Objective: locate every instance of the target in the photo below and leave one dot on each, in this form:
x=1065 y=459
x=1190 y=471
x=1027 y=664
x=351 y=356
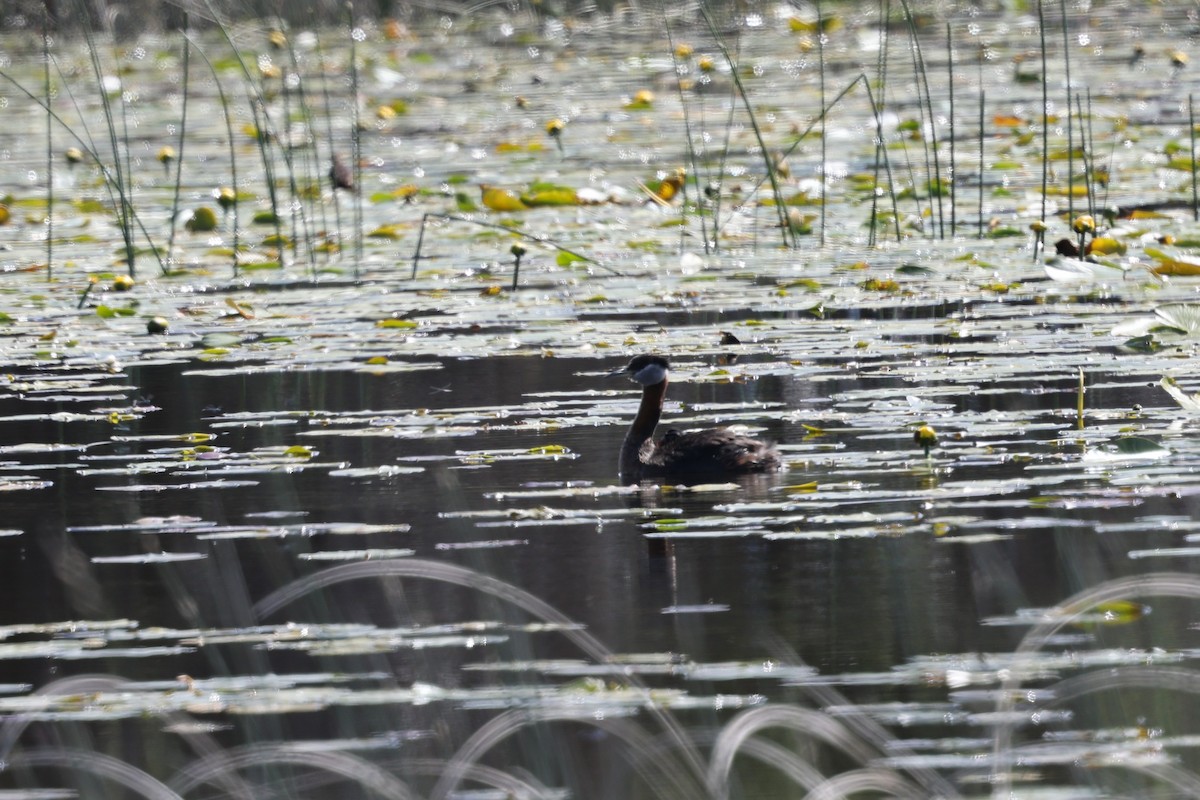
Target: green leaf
x=1143 y=344
x=549 y=195
x=89 y=206
x=1138 y=445
x=1004 y=232
x=1185 y=401
x=211 y=340
x=1183 y=317
x=385 y=232
x=808 y=284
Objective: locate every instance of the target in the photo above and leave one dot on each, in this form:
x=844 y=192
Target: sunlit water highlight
x=345 y=530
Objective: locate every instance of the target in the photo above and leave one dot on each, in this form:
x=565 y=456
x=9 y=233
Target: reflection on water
x=366 y=537
x=864 y=621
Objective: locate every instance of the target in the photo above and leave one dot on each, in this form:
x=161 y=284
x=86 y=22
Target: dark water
x=841 y=605
x=519 y=625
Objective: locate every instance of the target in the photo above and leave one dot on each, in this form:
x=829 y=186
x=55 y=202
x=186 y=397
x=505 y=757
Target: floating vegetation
x=357 y=555
x=148 y=558
x=302 y=530
x=383 y=308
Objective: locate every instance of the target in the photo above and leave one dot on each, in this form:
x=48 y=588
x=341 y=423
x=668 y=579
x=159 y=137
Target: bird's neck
x=649 y=412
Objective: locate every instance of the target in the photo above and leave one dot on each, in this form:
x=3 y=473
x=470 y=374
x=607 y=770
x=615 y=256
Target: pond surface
x=350 y=528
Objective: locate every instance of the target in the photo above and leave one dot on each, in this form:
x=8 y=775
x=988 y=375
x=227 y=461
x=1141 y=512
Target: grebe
x=707 y=453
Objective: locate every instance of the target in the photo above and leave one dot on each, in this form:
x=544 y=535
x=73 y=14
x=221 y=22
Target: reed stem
x=887 y=163
x=232 y=147
x=124 y=206
x=1192 y=142
x=49 y=149
x=1045 y=116
x=300 y=213
x=179 y=154
x=935 y=183
x=982 y=162
x=116 y=192
x=691 y=145
x=328 y=108
x=264 y=130
x=824 y=157
x=885 y=12
x=1062 y=7
x=776 y=191
x=355 y=146
x=953 y=169
x=1085 y=156
x=722 y=163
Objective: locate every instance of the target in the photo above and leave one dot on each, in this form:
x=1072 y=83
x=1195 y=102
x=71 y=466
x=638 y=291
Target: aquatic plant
x=362 y=533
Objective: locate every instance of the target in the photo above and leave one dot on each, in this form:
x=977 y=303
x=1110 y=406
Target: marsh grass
x=298 y=163
x=49 y=97
x=834 y=745
x=824 y=131
x=181 y=151
x=907 y=346
x=953 y=174
x=116 y=174
x=681 y=68
x=332 y=243
x=1044 y=112
x=307 y=200
x=1161 y=585
x=264 y=131
x=114 y=185
x=223 y=103
x=1087 y=151
x=929 y=137
x=118 y=146
x=1192 y=151
x=1066 y=60
x=982 y=163
x=356 y=152
x=788 y=237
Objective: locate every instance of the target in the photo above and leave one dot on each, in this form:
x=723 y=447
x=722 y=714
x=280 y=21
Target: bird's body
x=340 y=174
x=708 y=453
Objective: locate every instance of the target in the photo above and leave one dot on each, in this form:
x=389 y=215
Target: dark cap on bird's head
x=645 y=369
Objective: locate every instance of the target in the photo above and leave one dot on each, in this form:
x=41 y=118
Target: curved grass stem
x=232 y=149
x=744 y=96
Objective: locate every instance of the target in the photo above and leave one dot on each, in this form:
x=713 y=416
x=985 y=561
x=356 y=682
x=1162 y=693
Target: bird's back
x=714 y=452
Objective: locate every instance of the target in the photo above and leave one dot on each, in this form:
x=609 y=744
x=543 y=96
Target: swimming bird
x=712 y=452
x=340 y=174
